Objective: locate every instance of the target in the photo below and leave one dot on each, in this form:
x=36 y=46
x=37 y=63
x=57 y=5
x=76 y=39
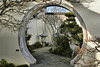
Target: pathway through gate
x=46 y=59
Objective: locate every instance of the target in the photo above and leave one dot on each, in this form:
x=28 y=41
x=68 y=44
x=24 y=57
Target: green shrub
x=60 y=51
x=24 y=65
x=75 y=32
x=72 y=35
x=4 y=63
x=37 y=45
x=34 y=46
x=30 y=48
x=10 y=65
x=50 y=49
x=62 y=47
x=69 y=14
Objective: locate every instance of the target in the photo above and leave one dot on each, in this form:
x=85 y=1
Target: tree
x=71 y=29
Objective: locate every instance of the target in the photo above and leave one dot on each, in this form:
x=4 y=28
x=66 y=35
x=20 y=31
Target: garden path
x=46 y=59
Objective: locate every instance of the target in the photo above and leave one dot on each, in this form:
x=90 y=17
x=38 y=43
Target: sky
x=56 y=9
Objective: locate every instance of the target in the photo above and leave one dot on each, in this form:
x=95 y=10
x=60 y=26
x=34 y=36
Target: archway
x=33 y=11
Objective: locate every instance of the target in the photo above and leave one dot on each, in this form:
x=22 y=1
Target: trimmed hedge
x=4 y=63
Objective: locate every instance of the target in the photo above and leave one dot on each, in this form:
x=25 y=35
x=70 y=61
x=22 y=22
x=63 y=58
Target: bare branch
x=9 y=24
x=7 y=19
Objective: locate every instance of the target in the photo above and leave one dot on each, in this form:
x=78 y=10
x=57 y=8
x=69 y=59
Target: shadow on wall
x=92 y=21
x=91 y=56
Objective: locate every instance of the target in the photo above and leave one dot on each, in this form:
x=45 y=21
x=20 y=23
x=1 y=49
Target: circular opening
x=33 y=12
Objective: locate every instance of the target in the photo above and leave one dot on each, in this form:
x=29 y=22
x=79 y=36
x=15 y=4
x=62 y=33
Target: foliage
x=24 y=65
x=30 y=48
x=34 y=46
x=71 y=19
x=72 y=35
x=48 y=44
x=4 y=63
x=10 y=65
x=37 y=45
x=28 y=37
x=73 y=31
x=69 y=14
x=62 y=46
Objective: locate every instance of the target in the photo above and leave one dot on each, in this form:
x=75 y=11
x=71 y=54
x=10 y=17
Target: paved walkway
x=47 y=59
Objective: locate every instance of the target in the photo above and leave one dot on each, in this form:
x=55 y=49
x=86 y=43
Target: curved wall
x=90 y=13
x=34 y=10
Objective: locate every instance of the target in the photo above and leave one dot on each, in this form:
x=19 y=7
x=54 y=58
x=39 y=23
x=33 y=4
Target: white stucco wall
x=8 y=46
x=36 y=28
x=90 y=13
x=9 y=41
